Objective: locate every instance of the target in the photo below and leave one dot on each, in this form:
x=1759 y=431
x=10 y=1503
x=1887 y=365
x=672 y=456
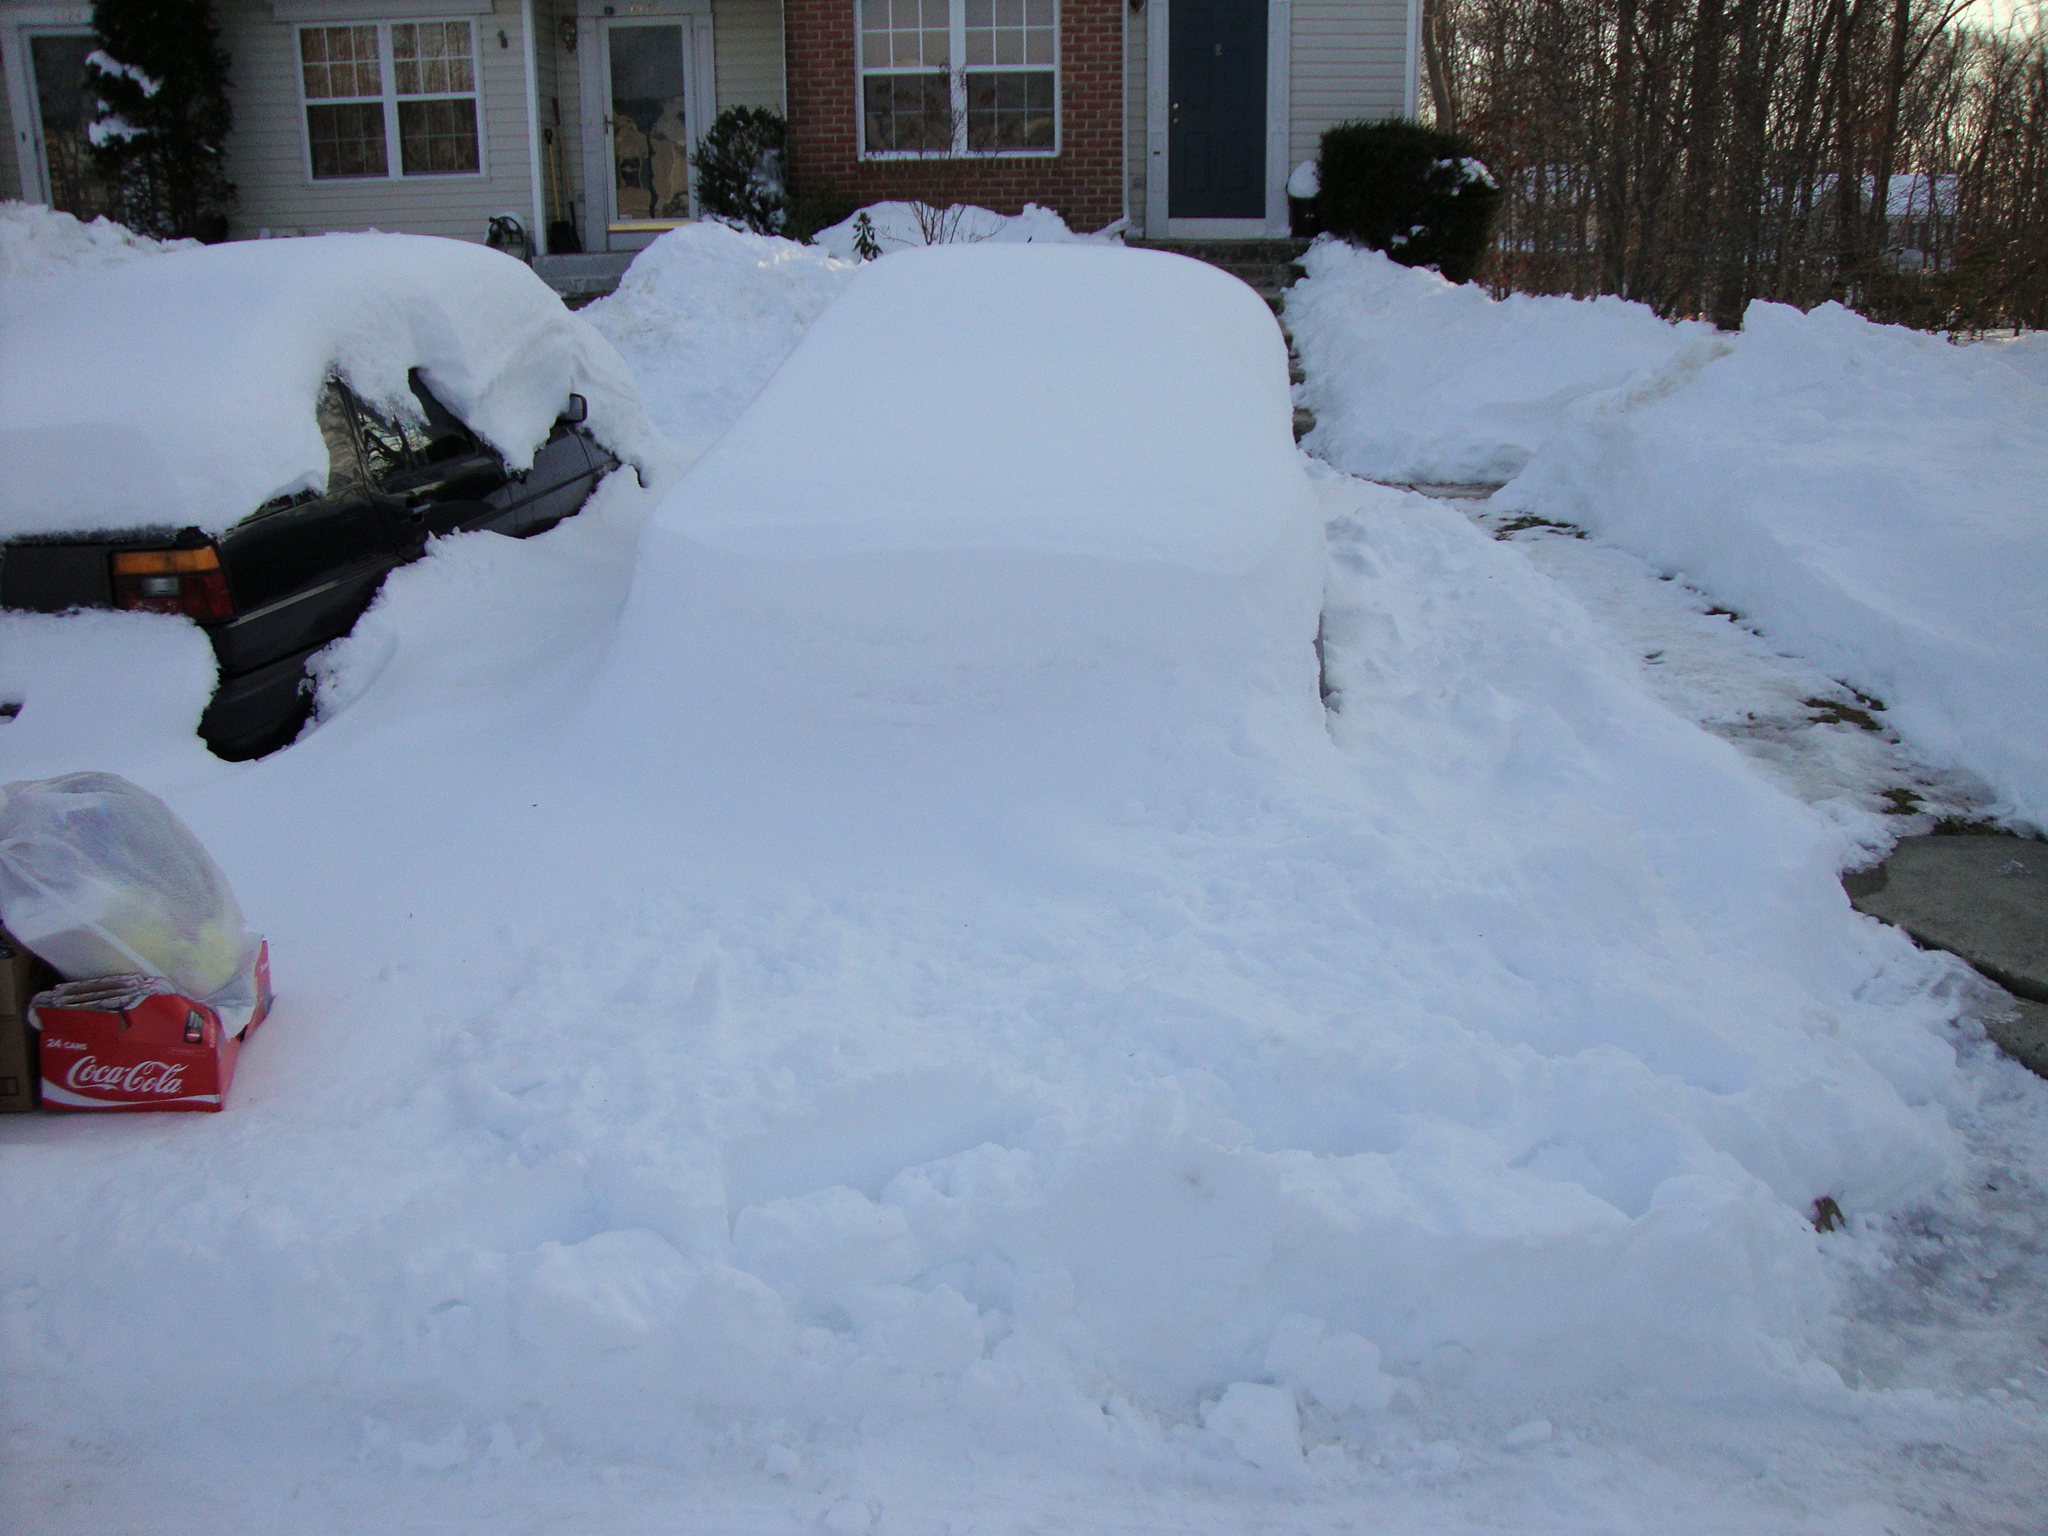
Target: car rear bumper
x=259 y=711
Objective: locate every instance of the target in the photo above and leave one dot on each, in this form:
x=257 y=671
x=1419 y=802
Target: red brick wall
x=1083 y=182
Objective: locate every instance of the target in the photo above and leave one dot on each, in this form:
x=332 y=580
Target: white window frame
x=387 y=73
x=956 y=77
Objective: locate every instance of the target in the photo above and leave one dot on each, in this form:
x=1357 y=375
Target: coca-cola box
x=136 y=1042
x=22 y=976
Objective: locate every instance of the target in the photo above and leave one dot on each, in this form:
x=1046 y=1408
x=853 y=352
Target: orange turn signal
x=166 y=562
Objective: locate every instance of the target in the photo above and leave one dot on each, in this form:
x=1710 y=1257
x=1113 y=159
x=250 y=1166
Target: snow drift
x=41 y=249
x=1874 y=498
x=899 y=963
x=179 y=391
x=1415 y=379
x=705 y=314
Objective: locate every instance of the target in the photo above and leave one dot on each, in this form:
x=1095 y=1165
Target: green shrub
x=1410 y=191
x=743 y=169
x=815 y=205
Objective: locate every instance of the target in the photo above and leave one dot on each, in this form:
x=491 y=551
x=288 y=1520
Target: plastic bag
x=100 y=878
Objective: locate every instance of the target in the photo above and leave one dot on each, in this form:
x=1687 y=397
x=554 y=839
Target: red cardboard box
x=133 y=1043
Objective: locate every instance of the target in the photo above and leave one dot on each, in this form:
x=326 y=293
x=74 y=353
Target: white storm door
x=652 y=118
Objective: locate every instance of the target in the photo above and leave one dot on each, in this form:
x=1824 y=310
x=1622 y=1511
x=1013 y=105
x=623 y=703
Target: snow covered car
x=254 y=435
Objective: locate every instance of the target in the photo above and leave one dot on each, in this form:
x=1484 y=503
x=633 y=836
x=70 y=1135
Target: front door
x=63 y=112
x=646 y=126
x=1216 y=120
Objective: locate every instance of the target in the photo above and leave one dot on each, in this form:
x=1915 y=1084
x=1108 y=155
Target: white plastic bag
x=100 y=878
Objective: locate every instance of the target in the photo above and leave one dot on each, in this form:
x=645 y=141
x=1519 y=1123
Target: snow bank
x=180 y=390
x=897 y=226
x=41 y=249
x=2028 y=354
x=705 y=314
x=1872 y=497
x=1416 y=379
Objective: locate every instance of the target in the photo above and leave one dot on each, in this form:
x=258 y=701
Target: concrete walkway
x=1982 y=896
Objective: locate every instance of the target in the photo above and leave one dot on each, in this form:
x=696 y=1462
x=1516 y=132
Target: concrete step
x=579 y=279
x=1268 y=265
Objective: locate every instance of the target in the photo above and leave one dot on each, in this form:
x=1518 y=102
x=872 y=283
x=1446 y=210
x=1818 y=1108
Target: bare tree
x=1698 y=154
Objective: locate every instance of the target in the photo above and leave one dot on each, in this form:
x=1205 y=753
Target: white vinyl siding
x=748 y=51
x=1350 y=60
x=267 y=150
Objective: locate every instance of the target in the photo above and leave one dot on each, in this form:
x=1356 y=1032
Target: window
x=371 y=84
x=977 y=77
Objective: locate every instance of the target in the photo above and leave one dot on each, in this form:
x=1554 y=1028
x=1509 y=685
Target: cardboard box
x=135 y=1043
x=22 y=976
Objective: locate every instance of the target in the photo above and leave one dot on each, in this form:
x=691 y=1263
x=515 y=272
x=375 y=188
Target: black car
x=298 y=571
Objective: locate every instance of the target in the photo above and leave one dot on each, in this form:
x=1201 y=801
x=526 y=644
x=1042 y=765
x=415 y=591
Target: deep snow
x=179 y=390
x=1871 y=498
x=873 y=996
x=705 y=314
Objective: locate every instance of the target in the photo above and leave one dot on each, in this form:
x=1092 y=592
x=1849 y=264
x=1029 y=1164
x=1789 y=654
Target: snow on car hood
x=180 y=391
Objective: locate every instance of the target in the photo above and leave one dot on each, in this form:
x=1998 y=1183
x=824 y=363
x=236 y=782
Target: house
x=577 y=116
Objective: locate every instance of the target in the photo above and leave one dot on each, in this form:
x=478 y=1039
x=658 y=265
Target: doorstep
x=581 y=278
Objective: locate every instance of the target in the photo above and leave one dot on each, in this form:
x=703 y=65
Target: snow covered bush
x=742 y=169
x=899 y=226
x=1410 y=191
x=161 y=77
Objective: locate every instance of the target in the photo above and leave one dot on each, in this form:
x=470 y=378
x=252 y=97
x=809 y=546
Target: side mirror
x=576 y=411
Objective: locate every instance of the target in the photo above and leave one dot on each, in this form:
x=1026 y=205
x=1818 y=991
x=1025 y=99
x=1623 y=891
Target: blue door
x=1216 y=119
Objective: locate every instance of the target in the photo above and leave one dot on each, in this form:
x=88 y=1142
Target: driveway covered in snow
x=868 y=992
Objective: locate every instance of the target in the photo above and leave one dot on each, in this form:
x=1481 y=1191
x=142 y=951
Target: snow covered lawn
x=866 y=991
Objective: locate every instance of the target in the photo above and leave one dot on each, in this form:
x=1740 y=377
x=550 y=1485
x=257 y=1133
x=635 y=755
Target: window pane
x=1011 y=110
x=438 y=138
x=907 y=112
x=347 y=139
x=340 y=62
x=431 y=58
x=905 y=34
x=1009 y=32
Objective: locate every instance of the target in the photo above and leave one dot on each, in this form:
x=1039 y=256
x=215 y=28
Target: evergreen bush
x=743 y=169
x=814 y=205
x=161 y=77
x=1415 y=193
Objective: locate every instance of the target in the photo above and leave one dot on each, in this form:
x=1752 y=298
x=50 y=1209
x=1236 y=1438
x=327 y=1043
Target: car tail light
x=187 y=581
